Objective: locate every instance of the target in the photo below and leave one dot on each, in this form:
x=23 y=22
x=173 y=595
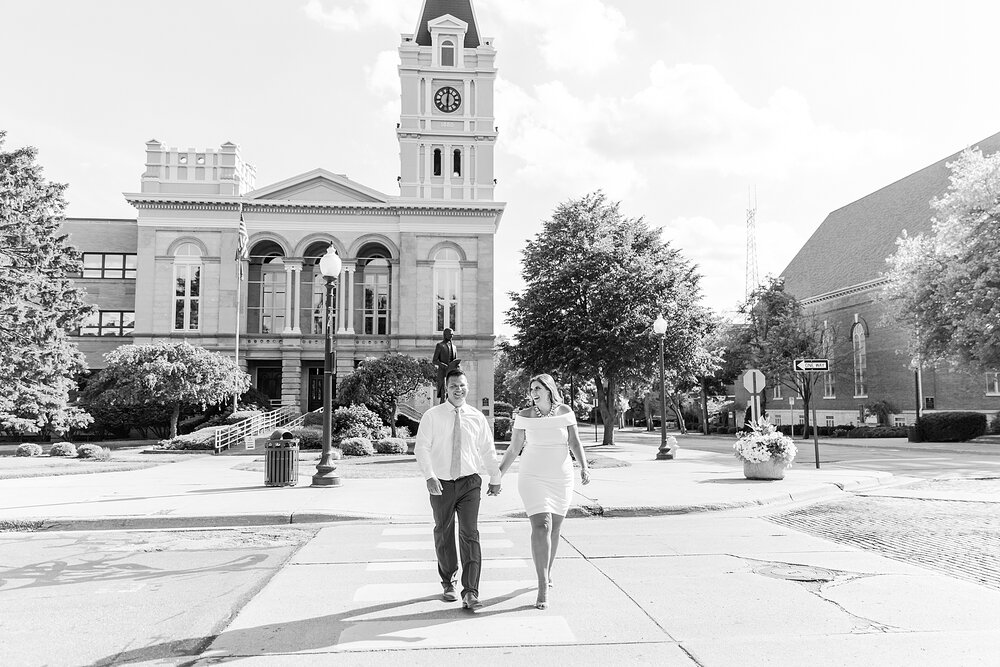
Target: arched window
x=375 y=276
x=447 y=53
x=437 y=161
x=313 y=289
x=456 y=163
x=267 y=289
x=187 y=287
x=860 y=362
x=447 y=283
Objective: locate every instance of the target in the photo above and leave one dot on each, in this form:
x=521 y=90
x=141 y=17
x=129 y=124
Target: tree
x=944 y=287
x=381 y=383
x=173 y=375
x=594 y=282
x=510 y=381
x=777 y=332
x=39 y=306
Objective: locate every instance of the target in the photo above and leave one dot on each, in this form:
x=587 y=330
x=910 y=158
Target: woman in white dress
x=546 y=432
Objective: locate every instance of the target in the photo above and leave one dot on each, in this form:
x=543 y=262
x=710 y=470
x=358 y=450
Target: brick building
x=838 y=276
x=413 y=264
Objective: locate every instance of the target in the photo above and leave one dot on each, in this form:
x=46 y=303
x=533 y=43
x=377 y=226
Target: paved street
x=703 y=589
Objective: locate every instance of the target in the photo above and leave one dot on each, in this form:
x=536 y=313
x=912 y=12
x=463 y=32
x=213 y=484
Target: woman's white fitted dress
x=545 y=476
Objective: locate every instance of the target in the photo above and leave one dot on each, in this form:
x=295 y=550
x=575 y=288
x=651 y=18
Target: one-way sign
x=813 y=365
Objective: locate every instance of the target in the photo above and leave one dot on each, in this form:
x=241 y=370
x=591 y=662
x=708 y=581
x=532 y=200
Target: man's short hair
x=453 y=373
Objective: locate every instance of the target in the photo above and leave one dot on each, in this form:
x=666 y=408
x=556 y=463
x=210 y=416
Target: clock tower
x=446 y=130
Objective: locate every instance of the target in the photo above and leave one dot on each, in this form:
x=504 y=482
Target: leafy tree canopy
x=381 y=383
x=594 y=282
x=944 y=287
x=174 y=375
x=39 y=306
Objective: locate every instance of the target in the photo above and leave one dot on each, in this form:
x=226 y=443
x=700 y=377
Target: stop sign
x=753 y=381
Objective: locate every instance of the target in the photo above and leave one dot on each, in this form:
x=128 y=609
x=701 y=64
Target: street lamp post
x=665 y=453
x=326 y=472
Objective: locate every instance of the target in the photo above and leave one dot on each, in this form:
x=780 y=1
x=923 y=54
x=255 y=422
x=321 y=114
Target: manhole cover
x=796 y=573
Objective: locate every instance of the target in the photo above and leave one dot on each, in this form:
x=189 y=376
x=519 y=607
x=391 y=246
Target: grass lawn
x=125 y=455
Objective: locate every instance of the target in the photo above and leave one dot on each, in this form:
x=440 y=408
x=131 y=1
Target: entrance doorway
x=315 y=398
x=269 y=383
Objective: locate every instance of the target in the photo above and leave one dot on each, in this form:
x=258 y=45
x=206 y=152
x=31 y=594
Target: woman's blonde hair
x=549 y=383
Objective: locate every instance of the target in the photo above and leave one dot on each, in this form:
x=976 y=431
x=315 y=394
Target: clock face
x=447 y=99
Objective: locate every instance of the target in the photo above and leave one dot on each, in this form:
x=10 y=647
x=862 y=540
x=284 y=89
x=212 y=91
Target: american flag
x=242 y=243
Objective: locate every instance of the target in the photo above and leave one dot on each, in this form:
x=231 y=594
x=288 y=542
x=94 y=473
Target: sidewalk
x=212 y=491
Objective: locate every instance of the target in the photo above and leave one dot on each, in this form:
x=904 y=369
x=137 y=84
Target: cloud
x=573 y=35
x=357 y=15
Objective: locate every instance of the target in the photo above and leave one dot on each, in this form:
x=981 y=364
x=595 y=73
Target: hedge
x=501 y=428
x=878 y=432
x=952 y=426
x=309 y=437
x=357 y=447
x=390 y=446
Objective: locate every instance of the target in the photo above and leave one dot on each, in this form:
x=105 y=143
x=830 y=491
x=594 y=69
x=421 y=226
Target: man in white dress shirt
x=451 y=459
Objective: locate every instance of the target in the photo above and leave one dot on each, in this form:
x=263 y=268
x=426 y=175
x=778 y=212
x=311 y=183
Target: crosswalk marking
x=416 y=565
x=426 y=530
x=471 y=630
x=411 y=591
x=424 y=545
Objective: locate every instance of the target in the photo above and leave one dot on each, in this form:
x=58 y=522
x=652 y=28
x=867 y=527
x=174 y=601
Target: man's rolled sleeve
x=487 y=451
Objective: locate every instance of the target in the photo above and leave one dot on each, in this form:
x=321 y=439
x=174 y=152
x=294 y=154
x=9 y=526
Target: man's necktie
x=456 y=446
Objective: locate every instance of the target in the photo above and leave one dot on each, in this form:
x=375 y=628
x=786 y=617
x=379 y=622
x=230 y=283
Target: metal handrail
x=227 y=436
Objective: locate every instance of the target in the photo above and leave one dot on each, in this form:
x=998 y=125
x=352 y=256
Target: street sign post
x=812 y=366
x=754 y=382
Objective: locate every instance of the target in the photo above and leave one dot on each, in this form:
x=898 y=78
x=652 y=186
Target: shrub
x=952 y=426
x=309 y=437
x=390 y=446
x=995 y=424
x=239 y=415
x=63 y=449
x=877 y=432
x=840 y=432
x=502 y=428
x=28 y=449
x=357 y=447
x=202 y=439
x=93 y=452
x=403 y=432
x=356 y=421
x=314 y=418
x=501 y=409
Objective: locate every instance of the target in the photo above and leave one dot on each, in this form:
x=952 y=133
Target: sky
x=675 y=109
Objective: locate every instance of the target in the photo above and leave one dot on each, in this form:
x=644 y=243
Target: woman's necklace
x=552 y=411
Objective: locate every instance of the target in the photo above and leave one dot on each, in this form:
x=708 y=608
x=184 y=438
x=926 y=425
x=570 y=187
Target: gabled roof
x=850 y=246
x=460 y=9
x=318 y=185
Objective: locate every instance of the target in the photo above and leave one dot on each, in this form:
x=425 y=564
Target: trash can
x=281 y=459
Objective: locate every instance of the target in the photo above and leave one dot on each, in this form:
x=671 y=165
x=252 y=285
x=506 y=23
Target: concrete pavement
x=208 y=490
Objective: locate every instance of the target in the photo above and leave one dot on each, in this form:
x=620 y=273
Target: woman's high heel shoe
x=541 y=602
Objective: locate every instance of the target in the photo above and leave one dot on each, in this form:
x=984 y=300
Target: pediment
x=318 y=185
x=448 y=22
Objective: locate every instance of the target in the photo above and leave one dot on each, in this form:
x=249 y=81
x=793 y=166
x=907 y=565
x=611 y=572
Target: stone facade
x=412 y=264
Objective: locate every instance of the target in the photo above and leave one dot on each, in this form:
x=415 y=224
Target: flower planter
x=765 y=470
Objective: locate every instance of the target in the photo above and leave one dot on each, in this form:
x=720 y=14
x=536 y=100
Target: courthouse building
x=414 y=263
x=838 y=276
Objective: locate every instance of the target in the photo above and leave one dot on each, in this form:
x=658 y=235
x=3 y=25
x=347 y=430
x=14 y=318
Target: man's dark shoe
x=450 y=595
x=471 y=601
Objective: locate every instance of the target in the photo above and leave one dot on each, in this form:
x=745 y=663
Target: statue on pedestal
x=445 y=359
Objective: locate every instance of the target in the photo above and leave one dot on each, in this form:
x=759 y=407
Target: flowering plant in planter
x=764 y=442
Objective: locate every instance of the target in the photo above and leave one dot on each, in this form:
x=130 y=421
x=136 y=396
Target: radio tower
x=752 y=279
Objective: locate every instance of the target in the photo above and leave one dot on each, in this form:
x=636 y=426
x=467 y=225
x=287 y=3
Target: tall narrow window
x=456 y=163
x=447 y=53
x=266 y=291
x=829 y=385
x=313 y=289
x=777 y=391
x=447 y=275
x=993 y=383
x=375 y=297
x=437 y=161
x=860 y=362
x=187 y=287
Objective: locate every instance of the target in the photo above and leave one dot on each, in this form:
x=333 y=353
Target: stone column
x=349 y=314
x=289 y=290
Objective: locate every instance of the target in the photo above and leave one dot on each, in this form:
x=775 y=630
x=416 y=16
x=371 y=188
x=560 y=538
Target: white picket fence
x=265 y=422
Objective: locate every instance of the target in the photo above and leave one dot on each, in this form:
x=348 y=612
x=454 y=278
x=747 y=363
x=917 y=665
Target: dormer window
x=447 y=53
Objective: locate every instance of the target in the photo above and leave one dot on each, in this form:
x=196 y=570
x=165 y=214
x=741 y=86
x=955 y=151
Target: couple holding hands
x=455 y=442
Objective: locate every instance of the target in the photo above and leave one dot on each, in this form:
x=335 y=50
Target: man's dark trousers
x=460 y=497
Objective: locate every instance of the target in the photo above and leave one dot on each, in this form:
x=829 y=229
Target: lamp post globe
x=665 y=453
x=326 y=473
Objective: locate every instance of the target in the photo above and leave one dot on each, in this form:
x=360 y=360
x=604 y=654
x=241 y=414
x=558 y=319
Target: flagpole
x=242 y=241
